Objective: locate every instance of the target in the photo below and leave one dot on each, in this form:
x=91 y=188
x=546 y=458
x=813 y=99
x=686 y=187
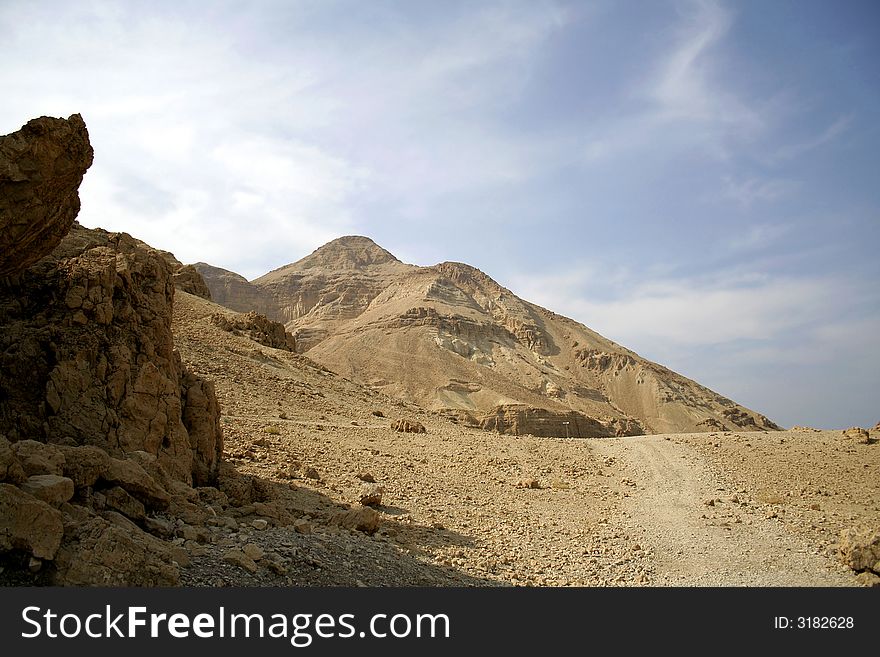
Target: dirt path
x=728 y=543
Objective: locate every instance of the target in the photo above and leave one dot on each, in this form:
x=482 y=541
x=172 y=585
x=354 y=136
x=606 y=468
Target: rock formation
x=101 y=426
x=408 y=426
x=258 y=328
x=859 y=548
x=235 y=292
x=90 y=359
x=519 y=420
x=188 y=279
x=41 y=168
x=451 y=339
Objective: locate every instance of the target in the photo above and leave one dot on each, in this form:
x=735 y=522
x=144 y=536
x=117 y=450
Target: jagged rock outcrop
x=101 y=426
x=41 y=168
x=188 y=279
x=408 y=426
x=519 y=420
x=89 y=357
x=258 y=328
x=857 y=434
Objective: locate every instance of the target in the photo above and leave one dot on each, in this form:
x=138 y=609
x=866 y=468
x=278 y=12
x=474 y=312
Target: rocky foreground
x=151 y=437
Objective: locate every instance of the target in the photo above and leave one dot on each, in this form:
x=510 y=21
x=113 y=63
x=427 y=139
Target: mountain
x=453 y=340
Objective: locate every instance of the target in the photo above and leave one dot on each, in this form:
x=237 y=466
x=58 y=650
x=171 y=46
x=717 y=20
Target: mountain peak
x=347 y=252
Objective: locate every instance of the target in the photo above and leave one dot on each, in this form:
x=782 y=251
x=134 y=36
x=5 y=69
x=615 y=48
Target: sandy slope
x=616 y=511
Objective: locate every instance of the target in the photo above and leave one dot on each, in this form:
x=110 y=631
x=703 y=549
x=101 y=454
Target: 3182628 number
x=824 y=622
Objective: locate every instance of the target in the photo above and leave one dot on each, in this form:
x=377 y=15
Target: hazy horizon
x=695 y=180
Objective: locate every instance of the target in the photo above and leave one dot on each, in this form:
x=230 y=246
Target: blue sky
x=695 y=180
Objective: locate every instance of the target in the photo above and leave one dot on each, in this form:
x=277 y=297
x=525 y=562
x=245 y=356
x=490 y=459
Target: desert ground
x=468 y=507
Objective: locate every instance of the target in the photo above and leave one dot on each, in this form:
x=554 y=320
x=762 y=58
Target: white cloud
x=686 y=86
x=217 y=146
x=692 y=311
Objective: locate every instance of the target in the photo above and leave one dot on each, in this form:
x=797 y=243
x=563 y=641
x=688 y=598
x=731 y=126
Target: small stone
x=302 y=526
x=180 y=555
x=531 y=483
x=371 y=495
x=194 y=549
x=276 y=567
x=35 y=564
x=367 y=477
x=312 y=473
x=240 y=559
x=253 y=551
x=259 y=524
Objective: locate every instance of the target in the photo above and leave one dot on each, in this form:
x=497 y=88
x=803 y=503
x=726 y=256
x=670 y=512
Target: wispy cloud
x=794 y=150
x=682 y=100
x=748 y=191
x=686 y=86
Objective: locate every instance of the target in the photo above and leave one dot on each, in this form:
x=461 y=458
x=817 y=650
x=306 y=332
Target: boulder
x=84 y=464
x=118 y=499
x=408 y=426
x=857 y=434
x=201 y=414
x=371 y=494
x=100 y=552
x=130 y=476
x=27 y=523
x=258 y=328
x=253 y=551
x=41 y=168
x=859 y=548
x=39 y=458
x=10 y=468
x=519 y=420
x=51 y=489
x=360 y=518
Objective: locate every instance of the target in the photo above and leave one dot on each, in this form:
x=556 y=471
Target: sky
x=696 y=180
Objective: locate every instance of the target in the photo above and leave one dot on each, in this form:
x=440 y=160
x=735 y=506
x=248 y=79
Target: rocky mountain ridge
x=450 y=338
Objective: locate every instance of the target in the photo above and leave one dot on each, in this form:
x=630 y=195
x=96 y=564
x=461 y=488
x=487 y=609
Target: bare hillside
x=451 y=339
